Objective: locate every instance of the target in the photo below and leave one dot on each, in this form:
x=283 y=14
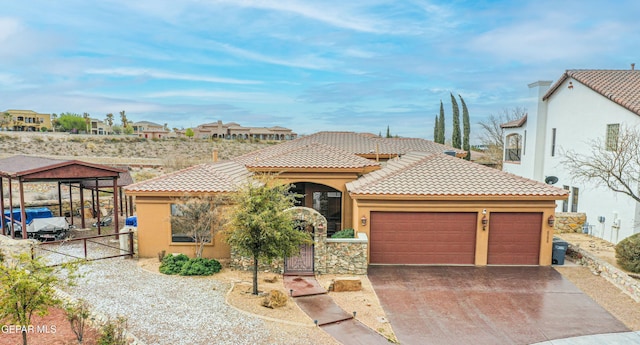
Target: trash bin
x=559 y=251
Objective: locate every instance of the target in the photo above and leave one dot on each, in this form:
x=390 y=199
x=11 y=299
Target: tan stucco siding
x=154 y=232
x=364 y=207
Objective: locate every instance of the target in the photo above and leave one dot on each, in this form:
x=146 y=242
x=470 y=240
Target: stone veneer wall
x=346 y=255
x=243 y=263
x=616 y=276
x=569 y=222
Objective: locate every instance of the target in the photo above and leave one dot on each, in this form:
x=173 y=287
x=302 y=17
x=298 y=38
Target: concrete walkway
x=313 y=300
x=623 y=338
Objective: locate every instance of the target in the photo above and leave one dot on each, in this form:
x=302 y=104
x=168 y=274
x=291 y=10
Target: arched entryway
x=311 y=221
x=324 y=199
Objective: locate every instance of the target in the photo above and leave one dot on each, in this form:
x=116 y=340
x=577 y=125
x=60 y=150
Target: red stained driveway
x=485 y=305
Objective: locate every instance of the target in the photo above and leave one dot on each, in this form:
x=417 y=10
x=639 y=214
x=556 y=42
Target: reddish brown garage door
x=423 y=238
x=514 y=238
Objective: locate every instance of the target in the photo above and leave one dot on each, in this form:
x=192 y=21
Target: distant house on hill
x=99 y=127
x=149 y=130
x=232 y=131
x=25 y=120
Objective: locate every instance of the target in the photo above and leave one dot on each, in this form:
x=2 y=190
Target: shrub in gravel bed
x=172 y=264
x=182 y=265
x=628 y=253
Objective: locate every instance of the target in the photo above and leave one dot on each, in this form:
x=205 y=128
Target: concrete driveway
x=485 y=305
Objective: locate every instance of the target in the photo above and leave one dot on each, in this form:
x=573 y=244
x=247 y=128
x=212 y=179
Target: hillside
x=149 y=156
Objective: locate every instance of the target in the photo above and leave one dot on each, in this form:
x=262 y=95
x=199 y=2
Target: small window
x=513 y=147
x=565 y=203
x=524 y=143
x=574 y=199
x=181 y=234
x=553 y=142
x=613 y=132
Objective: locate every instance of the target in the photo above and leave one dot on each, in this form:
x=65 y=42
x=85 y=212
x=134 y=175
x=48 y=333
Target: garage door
x=423 y=238
x=514 y=238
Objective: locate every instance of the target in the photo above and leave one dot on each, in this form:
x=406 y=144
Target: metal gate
x=301 y=264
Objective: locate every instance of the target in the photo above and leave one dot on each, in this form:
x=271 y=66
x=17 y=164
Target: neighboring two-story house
x=26 y=120
x=582 y=106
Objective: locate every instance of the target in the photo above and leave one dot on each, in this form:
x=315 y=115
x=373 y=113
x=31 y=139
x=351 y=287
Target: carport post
x=23 y=213
x=13 y=230
x=3 y=222
x=59 y=199
x=82 y=205
x=116 y=228
x=98 y=203
x=70 y=202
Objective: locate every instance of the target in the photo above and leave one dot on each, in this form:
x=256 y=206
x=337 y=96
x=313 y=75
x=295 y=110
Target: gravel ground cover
x=175 y=310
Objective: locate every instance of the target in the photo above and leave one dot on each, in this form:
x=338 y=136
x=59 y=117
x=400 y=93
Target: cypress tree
x=435 y=130
x=455 y=134
x=441 y=125
x=466 y=129
x=388 y=132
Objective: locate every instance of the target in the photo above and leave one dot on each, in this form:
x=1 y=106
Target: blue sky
x=307 y=65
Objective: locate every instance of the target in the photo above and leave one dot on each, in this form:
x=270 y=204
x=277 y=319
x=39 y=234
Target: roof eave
x=530 y=197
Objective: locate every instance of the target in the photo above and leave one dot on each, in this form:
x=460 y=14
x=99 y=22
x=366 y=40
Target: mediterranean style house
x=582 y=106
x=232 y=131
x=149 y=130
x=26 y=120
x=410 y=201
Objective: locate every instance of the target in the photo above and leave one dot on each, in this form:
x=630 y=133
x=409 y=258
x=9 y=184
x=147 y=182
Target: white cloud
x=143 y=72
x=250 y=97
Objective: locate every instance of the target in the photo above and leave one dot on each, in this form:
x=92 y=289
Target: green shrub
x=344 y=233
x=628 y=253
x=113 y=332
x=182 y=265
x=200 y=267
x=172 y=264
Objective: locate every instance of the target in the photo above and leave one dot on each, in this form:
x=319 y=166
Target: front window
x=565 y=203
x=613 y=132
x=553 y=142
x=574 y=199
x=179 y=232
x=513 y=148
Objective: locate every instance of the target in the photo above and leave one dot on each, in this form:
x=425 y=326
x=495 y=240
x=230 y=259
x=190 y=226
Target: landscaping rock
x=271 y=279
x=347 y=284
x=275 y=299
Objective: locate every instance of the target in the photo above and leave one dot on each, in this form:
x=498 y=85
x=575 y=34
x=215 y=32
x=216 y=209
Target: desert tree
x=455 y=133
x=71 y=122
x=5 y=120
x=388 y=132
x=87 y=121
x=492 y=133
x=435 y=130
x=189 y=133
x=54 y=121
x=27 y=288
x=109 y=120
x=613 y=162
x=259 y=225
x=466 y=129
x=123 y=118
x=78 y=314
x=200 y=217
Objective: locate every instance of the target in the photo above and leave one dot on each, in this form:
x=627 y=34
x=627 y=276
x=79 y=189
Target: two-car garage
x=453 y=238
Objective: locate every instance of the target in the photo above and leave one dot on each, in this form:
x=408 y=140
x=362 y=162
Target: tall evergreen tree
x=388 y=132
x=466 y=129
x=441 y=125
x=455 y=134
x=435 y=130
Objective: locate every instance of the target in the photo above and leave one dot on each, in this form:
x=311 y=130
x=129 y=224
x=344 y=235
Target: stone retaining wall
x=10 y=247
x=617 y=277
x=243 y=263
x=569 y=222
x=346 y=255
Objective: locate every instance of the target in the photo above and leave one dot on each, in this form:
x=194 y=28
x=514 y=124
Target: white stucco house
x=583 y=105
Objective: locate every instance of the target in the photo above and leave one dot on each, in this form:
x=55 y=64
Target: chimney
x=633 y=66
x=215 y=155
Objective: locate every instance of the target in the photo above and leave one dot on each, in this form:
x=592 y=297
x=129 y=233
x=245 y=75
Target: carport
x=27 y=169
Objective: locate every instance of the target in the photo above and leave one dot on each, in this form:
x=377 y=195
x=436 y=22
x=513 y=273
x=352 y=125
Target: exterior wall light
x=485 y=221
x=363 y=220
x=551 y=221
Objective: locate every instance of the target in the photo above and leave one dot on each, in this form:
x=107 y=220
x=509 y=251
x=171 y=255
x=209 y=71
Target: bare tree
x=492 y=134
x=612 y=163
x=199 y=217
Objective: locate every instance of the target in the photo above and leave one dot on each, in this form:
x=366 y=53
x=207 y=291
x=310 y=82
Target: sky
x=307 y=65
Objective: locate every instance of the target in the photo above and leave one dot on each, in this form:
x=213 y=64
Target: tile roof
x=515 y=123
x=620 y=86
x=204 y=178
x=424 y=174
x=312 y=156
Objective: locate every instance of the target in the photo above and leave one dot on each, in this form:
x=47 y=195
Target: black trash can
x=559 y=251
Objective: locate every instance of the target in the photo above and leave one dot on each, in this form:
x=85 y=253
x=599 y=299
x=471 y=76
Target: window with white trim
x=613 y=134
